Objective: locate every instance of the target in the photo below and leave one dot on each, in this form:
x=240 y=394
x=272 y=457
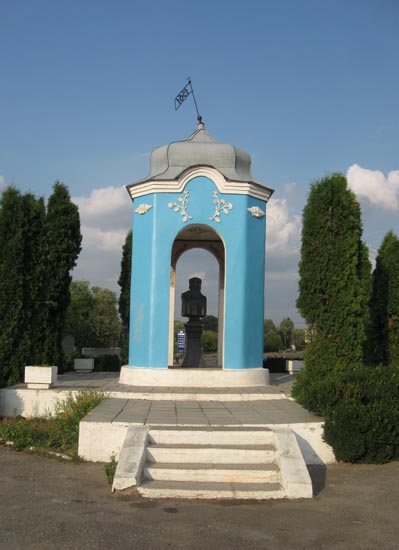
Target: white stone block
x=295 y=477
x=40 y=377
x=295 y=366
x=194 y=378
x=83 y=365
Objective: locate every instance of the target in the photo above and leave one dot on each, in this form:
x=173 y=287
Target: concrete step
x=201 y=394
x=231 y=473
x=210 y=490
x=212 y=436
x=223 y=454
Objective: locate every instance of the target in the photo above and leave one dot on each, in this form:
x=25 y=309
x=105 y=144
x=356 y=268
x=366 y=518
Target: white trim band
x=252 y=189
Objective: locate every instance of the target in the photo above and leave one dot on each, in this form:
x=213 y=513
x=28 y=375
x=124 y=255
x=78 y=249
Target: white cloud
x=108 y=208
x=283 y=229
x=105 y=217
x=379 y=190
x=2 y=182
x=95 y=237
x=373 y=253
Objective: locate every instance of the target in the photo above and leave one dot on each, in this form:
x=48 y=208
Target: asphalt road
x=46 y=504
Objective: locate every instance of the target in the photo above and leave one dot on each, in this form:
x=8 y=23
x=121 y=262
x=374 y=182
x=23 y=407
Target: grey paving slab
x=254 y=412
x=132 y=409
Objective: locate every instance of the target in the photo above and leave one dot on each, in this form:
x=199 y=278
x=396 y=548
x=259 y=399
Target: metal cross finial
x=183 y=95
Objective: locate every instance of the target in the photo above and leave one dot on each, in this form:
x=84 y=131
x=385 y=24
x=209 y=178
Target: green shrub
x=363 y=426
x=107 y=363
x=209 y=341
x=319 y=389
x=24 y=433
x=60 y=432
x=110 y=469
x=68 y=414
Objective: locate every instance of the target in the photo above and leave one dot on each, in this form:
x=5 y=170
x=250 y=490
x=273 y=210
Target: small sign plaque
x=181 y=338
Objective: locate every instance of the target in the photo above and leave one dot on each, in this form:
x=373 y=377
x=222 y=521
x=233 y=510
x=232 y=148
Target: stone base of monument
x=193 y=356
x=194 y=378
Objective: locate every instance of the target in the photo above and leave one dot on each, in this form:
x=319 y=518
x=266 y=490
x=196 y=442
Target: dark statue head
x=195 y=283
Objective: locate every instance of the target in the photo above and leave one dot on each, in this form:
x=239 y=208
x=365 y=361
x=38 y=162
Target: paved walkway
x=201 y=413
x=257 y=406
x=109 y=382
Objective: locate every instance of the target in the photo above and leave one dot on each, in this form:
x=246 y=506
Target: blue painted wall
x=153 y=235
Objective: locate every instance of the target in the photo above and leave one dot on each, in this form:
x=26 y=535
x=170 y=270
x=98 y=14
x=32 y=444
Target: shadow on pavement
x=318 y=474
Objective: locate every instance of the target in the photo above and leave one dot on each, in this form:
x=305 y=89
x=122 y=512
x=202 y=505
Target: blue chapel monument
x=199 y=194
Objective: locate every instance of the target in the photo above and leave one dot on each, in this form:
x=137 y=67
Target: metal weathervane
x=183 y=95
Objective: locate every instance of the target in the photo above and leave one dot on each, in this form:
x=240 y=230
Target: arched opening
x=206 y=239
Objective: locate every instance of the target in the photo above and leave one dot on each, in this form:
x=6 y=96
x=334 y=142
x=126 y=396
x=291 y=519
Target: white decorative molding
x=253 y=189
x=256 y=212
x=222 y=207
x=143 y=208
x=181 y=206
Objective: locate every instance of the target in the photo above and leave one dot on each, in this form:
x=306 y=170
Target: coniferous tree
x=35 y=248
x=384 y=303
x=124 y=296
x=11 y=282
x=63 y=240
x=124 y=281
x=331 y=290
x=33 y=227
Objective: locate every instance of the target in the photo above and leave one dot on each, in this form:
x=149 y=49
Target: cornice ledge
x=251 y=188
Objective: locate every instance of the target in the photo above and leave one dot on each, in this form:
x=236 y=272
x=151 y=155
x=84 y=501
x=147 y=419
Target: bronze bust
x=193 y=302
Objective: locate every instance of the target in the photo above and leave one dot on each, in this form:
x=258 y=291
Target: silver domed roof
x=169 y=161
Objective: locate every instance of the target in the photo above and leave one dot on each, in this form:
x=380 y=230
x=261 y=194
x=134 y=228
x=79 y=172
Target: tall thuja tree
x=63 y=240
x=384 y=303
x=11 y=283
x=331 y=291
x=124 y=283
x=33 y=228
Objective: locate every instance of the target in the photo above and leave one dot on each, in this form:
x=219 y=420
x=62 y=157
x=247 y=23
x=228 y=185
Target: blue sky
x=307 y=87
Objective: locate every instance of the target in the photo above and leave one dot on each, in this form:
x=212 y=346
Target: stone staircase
x=241 y=463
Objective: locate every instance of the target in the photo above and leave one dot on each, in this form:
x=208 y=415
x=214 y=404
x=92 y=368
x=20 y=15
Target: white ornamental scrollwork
x=181 y=206
x=256 y=212
x=143 y=208
x=222 y=207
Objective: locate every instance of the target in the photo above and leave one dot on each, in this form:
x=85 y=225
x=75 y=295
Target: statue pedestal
x=193 y=356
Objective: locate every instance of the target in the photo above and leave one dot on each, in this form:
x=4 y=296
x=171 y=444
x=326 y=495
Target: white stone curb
x=295 y=477
x=131 y=458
